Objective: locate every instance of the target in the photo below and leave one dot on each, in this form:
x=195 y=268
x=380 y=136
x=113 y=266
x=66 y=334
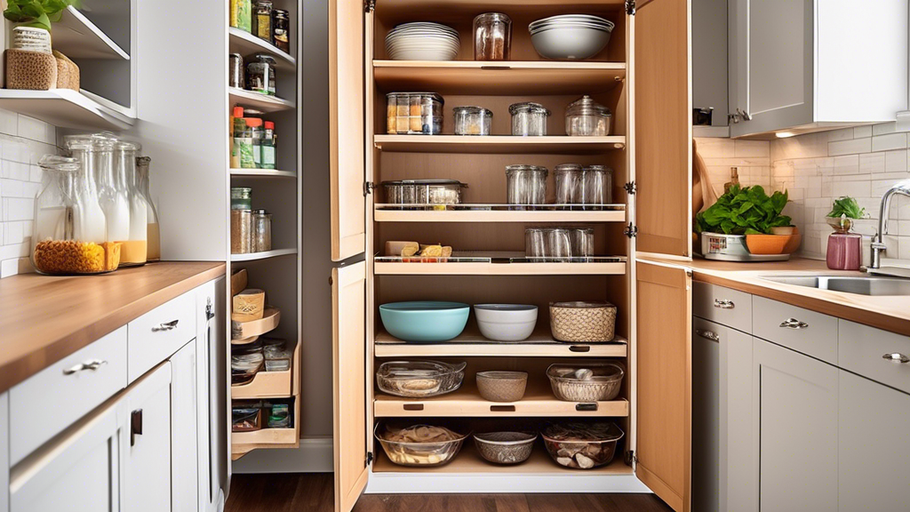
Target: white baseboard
x=497 y=483
x=314 y=455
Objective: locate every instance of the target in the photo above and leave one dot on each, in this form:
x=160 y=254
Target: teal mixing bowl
x=424 y=320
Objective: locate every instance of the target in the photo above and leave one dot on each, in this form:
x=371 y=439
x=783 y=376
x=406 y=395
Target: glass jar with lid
x=529 y=119
x=587 y=118
x=261 y=231
x=241 y=198
x=134 y=249
x=262 y=20
x=526 y=184
x=260 y=74
x=241 y=220
x=598 y=186
x=492 y=36
x=473 y=120
x=153 y=232
x=570 y=182
x=57 y=248
x=113 y=192
x=415 y=113
x=281 y=30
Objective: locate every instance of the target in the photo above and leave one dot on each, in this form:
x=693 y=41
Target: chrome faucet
x=878 y=241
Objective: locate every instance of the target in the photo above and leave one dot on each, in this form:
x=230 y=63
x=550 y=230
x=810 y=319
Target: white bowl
x=571 y=17
x=506 y=322
x=572 y=24
x=572 y=43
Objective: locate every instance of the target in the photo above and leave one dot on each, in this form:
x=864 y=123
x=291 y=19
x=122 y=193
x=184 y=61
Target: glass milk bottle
x=89 y=223
x=134 y=250
x=153 y=234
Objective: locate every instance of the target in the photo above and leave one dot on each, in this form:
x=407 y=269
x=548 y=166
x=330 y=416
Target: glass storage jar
x=535 y=243
x=587 y=118
x=241 y=198
x=281 y=30
x=529 y=119
x=133 y=249
x=569 y=184
x=492 y=36
x=241 y=228
x=261 y=231
x=113 y=192
x=526 y=184
x=260 y=74
x=582 y=242
x=262 y=20
x=598 y=185
x=153 y=233
x=89 y=223
x=472 y=120
x=415 y=113
x=434 y=191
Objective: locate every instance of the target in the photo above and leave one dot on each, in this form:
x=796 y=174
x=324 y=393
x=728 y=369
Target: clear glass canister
x=492 y=36
x=587 y=118
x=261 y=231
x=582 y=242
x=133 y=249
x=241 y=231
x=153 y=230
x=260 y=74
x=570 y=181
x=113 y=191
x=472 y=120
x=415 y=113
x=241 y=198
x=526 y=184
x=535 y=243
x=262 y=20
x=529 y=119
x=598 y=185
x=89 y=223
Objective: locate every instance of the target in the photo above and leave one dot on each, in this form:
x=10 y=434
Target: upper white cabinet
x=808 y=65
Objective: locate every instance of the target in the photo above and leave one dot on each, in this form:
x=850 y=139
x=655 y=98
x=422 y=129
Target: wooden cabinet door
x=873 y=468
x=147 y=446
x=347 y=128
x=771 y=54
x=351 y=417
x=663 y=363
x=796 y=410
x=662 y=141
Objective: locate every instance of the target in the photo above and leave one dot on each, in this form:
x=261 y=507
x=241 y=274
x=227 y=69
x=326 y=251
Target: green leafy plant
x=744 y=211
x=37 y=13
x=847 y=207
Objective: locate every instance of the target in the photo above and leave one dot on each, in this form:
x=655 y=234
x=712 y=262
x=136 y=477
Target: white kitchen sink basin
x=866 y=285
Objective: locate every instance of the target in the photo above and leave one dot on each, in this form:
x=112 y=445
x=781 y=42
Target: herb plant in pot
x=752 y=217
x=30 y=62
x=845 y=249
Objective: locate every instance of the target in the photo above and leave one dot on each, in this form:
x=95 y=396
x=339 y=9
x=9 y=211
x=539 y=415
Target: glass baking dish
x=419 y=379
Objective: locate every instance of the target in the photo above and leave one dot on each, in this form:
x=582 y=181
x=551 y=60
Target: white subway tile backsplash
x=860 y=132
x=872 y=163
x=851 y=147
x=884 y=128
x=895 y=161
x=847 y=164
x=842 y=134
x=20 y=209
x=889 y=142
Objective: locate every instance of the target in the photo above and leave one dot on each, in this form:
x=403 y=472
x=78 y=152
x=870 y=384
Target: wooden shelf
x=259 y=101
x=244 y=442
x=498 y=78
x=78 y=38
x=255 y=256
x=497 y=144
x=265 y=385
x=469 y=461
x=516 y=216
x=500 y=269
x=472 y=344
x=468 y=8
x=269 y=321
x=263 y=173
x=245 y=44
x=64 y=108
x=467 y=402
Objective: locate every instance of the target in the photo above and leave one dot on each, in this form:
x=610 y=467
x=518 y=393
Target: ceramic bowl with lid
x=587 y=118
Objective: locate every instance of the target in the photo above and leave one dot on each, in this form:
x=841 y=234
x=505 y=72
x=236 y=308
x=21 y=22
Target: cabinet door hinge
x=369 y=458
x=369 y=5
x=631 y=231
x=630 y=187
x=630 y=7
x=631 y=458
x=368 y=187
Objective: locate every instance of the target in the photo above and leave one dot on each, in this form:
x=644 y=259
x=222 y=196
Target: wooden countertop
x=44 y=319
x=890 y=313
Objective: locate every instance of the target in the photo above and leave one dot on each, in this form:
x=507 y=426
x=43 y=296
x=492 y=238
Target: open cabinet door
x=350 y=400
x=664 y=382
x=346 y=126
x=663 y=127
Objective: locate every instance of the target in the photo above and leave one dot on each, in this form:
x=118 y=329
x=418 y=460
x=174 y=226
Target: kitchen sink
x=870 y=285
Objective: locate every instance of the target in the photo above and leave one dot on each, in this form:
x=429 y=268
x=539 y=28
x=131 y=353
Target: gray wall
x=709 y=57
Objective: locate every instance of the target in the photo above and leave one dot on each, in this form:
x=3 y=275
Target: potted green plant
x=845 y=249
x=751 y=221
x=843 y=214
x=34 y=18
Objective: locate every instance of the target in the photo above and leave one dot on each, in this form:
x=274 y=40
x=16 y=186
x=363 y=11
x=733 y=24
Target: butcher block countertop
x=44 y=319
x=891 y=313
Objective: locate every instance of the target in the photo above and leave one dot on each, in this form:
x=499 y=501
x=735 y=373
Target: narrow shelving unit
x=244 y=43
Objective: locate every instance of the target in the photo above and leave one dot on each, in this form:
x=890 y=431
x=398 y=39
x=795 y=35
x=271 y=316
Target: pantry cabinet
x=643 y=77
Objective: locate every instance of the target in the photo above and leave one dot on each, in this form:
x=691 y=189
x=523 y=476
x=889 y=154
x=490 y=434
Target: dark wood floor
x=314 y=493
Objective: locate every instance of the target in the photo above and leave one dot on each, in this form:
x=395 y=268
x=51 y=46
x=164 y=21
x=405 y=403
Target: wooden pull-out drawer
x=156 y=335
x=875 y=354
x=56 y=397
x=805 y=331
x=722 y=305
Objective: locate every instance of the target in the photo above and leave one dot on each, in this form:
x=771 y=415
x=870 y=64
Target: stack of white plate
x=570 y=36
x=422 y=41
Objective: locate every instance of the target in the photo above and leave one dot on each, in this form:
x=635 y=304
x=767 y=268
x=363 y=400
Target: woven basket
x=30 y=70
x=587 y=322
x=68 y=76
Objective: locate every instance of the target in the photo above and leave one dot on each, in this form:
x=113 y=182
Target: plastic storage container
x=492 y=36
x=424 y=191
x=472 y=120
x=588 y=383
x=587 y=118
x=419 y=379
x=529 y=119
x=582 y=445
x=526 y=184
x=414 y=113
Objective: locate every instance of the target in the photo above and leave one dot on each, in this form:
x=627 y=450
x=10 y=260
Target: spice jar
x=281 y=30
x=261 y=231
x=257 y=131
x=492 y=36
x=260 y=74
x=262 y=20
x=235 y=71
x=586 y=117
x=529 y=119
x=241 y=198
x=268 y=146
x=153 y=234
x=472 y=120
x=598 y=185
x=526 y=184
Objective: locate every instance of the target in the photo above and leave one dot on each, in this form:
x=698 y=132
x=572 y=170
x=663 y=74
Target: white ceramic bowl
x=506 y=322
x=563 y=18
x=570 y=43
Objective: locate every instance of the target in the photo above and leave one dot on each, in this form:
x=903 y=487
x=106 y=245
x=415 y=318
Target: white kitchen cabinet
x=796 y=410
x=873 y=467
x=789 y=59
x=184 y=461
x=4 y=452
x=147 y=443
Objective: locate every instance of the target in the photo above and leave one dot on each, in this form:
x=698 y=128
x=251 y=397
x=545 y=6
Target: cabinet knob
x=81 y=367
x=167 y=326
x=708 y=335
x=897 y=358
x=724 y=304
x=792 y=323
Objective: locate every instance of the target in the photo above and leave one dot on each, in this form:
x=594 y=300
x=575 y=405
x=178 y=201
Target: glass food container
x=153 y=233
x=419 y=445
x=419 y=379
x=526 y=184
x=582 y=242
x=535 y=243
x=261 y=231
x=424 y=191
x=113 y=193
x=262 y=20
x=93 y=152
x=241 y=220
x=587 y=118
x=582 y=445
x=281 y=30
x=598 y=186
x=492 y=36
x=472 y=120
x=414 y=113
x=134 y=249
x=529 y=119
x=241 y=198
x=260 y=74
x=569 y=184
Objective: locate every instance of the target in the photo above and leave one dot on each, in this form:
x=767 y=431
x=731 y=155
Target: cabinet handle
x=897 y=358
x=81 y=367
x=724 y=304
x=135 y=425
x=792 y=323
x=579 y=348
x=502 y=408
x=412 y=407
x=708 y=335
x=167 y=326
x=586 y=407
